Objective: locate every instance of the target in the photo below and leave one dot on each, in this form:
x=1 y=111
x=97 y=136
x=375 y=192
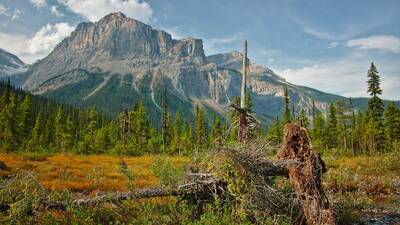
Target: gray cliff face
x=118 y=60
x=115 y=38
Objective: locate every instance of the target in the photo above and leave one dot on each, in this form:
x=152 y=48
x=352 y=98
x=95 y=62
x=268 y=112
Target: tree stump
x=305 y=177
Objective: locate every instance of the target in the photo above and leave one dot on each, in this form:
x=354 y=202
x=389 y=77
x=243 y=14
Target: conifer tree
x=10 y=139
x=314 y=112
x=68 y=135
x=140 y=127
x=343 y=117
x=359 y=133
x=216 y=133
x=102 y=140
x=35 y=142
x=187 y=137
x=319 y=130
x=201 y=128
x=275 y=132
x=59 y=129
x=392 y=125
x=154 y=142
x=165 y=118
x=25 y=121
x=286 y=113
x=303 y=119
x=176 y=137
x=375 y=109
x=89 y=131
x=47 y=137
x=331 y=134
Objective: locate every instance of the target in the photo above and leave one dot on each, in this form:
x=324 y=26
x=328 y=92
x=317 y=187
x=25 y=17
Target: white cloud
x=39 y=45
x=54 y=10
x=173 y=31
x=346 y=76
x=47 y=37
x=3 y=10
x=333 y=44
x=383 y=42
x=9 y=13
x=39 y=3
x=17 y=14
x=215 y=45
x=93 y=10
x=331 y=36
x=225 y=40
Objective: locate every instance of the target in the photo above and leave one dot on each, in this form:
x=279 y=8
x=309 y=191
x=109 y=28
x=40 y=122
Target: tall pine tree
x=375 y=109
x=331 y=134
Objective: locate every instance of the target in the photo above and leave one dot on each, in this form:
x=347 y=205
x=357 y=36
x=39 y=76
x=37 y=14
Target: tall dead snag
x=305 y=177
x=246 y=121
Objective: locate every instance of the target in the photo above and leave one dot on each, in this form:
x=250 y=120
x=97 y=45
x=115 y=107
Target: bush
x=167 y=173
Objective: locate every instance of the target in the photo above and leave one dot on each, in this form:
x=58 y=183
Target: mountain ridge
x=118 y=60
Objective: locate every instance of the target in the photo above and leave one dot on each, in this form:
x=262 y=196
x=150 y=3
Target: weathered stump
x=305 y=177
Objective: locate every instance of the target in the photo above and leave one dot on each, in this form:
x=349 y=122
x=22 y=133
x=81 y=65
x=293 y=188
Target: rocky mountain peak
x=114 y=62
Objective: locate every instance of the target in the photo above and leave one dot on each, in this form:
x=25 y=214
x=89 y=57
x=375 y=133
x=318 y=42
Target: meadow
x=360 y=186
x=85 y=173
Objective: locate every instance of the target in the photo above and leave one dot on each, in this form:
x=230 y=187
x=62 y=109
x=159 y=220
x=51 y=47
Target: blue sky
x=327 y=45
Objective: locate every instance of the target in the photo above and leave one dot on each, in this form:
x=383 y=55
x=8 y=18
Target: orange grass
x=374 y=175
x=86 y=173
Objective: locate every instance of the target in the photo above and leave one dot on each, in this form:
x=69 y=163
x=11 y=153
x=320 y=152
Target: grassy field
x=79 y=173
x=358 y=185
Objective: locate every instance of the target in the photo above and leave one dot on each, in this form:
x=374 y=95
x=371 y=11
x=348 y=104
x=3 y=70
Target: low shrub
x=168 y=174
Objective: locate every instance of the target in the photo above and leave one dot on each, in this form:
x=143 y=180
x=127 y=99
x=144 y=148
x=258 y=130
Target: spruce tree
x=201 y=128
x=314 y=113
x=216 y=132
x=392 y=125
x=68 y=135
x=11 y=137
x=36 y=136
x=165 y=118
x=142 y=126
x=319 y=130
x=303 y=119
x=375 y=109
x=59 y=129
x=286 y=113
x=331 y=134
x=25 y=121
x=87 y=146
x=176 y=137
x=275 y=132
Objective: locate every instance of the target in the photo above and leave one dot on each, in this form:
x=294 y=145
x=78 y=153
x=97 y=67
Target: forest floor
x=362 y=185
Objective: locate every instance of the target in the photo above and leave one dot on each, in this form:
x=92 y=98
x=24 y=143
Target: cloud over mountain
x=95 y=9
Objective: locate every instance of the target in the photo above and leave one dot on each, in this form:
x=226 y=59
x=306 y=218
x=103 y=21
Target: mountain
x=118 y=60
x=11 y=65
